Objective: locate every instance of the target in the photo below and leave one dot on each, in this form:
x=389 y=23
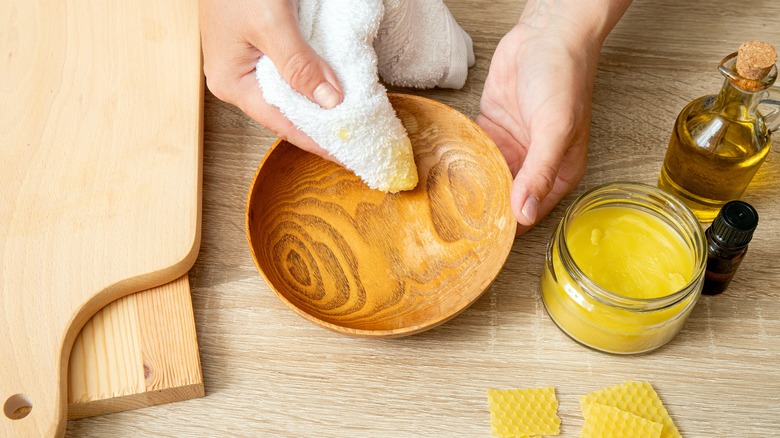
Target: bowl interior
x=367 y=263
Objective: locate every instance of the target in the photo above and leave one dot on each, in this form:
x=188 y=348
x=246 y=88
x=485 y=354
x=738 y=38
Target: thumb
x=536 y=178
x=300 y=65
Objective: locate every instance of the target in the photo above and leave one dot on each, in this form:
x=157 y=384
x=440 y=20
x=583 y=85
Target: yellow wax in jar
x=630 y=252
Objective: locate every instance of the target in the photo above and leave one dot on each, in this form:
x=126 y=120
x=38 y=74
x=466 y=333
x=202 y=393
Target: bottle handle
x=772 y=118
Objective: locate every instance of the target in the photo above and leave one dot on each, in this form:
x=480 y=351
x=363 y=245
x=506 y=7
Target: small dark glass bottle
x=727 y=244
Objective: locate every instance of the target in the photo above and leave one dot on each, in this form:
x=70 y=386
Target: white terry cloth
x=420 y=45
x=362 y=132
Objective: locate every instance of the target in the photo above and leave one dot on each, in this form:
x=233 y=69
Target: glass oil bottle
x=719 y=142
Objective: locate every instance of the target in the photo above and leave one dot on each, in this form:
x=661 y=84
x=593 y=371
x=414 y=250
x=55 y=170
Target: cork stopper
x=755 y=59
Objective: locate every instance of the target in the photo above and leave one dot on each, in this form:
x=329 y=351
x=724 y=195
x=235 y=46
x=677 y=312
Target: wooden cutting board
x=100 y=167
x=139 y=351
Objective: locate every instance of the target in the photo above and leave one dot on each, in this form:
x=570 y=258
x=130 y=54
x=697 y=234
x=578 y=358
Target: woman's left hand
x=536 y=104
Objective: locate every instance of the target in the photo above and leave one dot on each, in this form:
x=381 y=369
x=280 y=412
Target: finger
x=299 y=65
x=507 y=144
x=537 y=177
x=251 y=102
x=559 y=191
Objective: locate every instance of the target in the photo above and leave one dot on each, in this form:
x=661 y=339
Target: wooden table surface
x=268 y=372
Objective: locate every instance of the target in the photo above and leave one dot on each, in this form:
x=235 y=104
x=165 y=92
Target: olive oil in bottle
x=719 y=142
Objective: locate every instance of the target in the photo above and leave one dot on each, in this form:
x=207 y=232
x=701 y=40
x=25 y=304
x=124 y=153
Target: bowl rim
x=367 y=333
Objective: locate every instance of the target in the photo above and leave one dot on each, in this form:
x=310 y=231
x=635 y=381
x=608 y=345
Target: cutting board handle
x=32 y=389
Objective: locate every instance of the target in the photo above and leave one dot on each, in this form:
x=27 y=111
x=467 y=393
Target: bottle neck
x=740 y=97
x=738 y=104
x=723 y=246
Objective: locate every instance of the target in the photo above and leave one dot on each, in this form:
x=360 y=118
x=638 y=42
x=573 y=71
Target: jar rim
x=630 y=191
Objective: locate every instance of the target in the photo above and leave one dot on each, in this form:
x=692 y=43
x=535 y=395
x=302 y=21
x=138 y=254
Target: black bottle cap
x=735 y=223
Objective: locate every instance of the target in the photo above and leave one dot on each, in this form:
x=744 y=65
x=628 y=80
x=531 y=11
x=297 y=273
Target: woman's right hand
x=235 y=34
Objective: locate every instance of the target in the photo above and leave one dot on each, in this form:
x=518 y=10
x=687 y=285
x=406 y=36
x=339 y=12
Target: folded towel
x=420 y=45
x=363 y=132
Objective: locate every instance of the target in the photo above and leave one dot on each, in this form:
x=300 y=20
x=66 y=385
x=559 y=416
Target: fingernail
x=326 y=96
x=531 y=209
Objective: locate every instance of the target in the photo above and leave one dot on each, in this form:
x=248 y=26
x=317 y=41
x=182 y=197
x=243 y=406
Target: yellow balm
x=630 y=252
x=624 y=268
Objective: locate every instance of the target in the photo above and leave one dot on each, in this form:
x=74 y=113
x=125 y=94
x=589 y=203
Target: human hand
x=536 y=107
x=536 y=104
x=236 y=33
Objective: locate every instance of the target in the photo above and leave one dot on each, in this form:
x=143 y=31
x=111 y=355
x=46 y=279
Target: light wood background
x=268 y=372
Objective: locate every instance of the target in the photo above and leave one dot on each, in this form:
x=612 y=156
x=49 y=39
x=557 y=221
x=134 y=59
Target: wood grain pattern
x=333 y=250
x=138 y=351
x=99 y=178
x=271 y=373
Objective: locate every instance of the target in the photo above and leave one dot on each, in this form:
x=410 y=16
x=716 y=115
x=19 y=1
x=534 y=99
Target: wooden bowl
x=365 y=263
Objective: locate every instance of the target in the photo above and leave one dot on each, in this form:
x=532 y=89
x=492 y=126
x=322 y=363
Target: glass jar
x=606 y=320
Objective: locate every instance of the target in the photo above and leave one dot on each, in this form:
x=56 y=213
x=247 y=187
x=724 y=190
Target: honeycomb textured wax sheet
x=603 y=421
x=524 y=412
x=638 y=398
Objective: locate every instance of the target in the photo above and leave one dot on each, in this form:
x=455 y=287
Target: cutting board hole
x=17 y=407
